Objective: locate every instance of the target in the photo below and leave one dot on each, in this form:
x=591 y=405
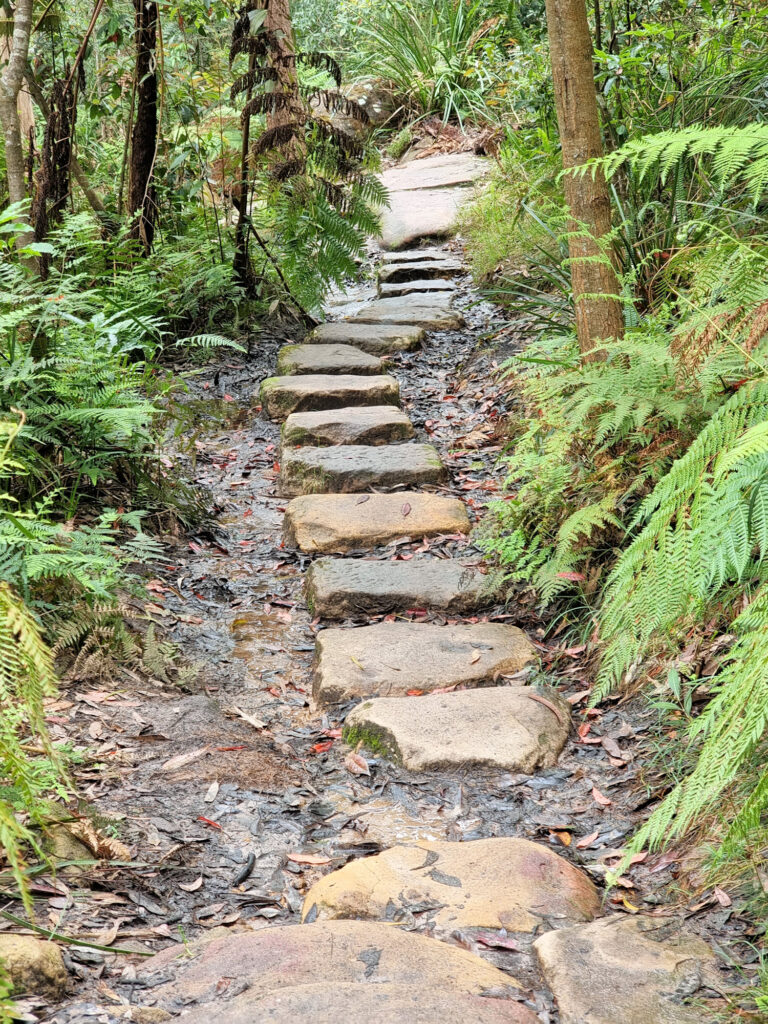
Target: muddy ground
x=215 y=781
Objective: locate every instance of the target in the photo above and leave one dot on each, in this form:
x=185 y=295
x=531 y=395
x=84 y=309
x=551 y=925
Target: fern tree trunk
x=283 y=59
x=10 y=86
x=593 y=277
x=141 y=194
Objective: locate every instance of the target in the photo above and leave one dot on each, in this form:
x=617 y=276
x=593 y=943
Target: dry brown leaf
x=309 y=858
x=475 y=657
x=181 y=759
x=586 y=841
x=356 y=764
x=192 y=886
x=599 y=798
x=100 y=845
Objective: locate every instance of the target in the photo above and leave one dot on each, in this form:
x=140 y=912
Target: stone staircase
x=426 y=696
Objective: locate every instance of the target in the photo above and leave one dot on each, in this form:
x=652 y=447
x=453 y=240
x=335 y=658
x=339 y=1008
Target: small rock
x=343 y=522
x=485 y=883
x=373 y=424
x=35 y=967
x=636 y=970
x=350 y=468
x=391 y=659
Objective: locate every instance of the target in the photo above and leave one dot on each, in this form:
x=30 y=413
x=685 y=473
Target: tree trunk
x=141 y=194
x=279 y=24
x=10 y=86
x=594 y=281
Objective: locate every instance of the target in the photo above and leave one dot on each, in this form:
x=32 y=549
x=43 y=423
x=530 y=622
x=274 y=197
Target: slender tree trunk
x=141 y=197
x=10 y=86
x=594 y=280
x=282 y=57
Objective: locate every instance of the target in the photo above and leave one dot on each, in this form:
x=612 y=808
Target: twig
x=548 y=704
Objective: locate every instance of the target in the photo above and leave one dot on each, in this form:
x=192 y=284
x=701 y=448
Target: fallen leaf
x=363 y=498
x=599 y=799
x=414 y=693
x=209 y=823
x=722 y=897
x=211 y=793
x=612 y=747
x=192 y=886
x=181 y=759
x=564 y=837
x=406 y=509
x=547 y=704
x=309 y=858
x=475 y=657
x=356 y=764
x=322 y=748
x=100 y=845
x=250 y=719
x=586 y=841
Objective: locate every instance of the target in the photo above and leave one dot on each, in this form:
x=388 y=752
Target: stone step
x=402 y=272
x=293 y=359
x=504 y=728
x=377 y=339
x=365 y=424
x=383 y=1003
x=391 y=659
x=351 y=468
x=421 y=287
x=336 y=588
x=484 y=883
x=280 y=396
x=431 y=253
x=633 y=969
x=431 y=311
x=342 y=522
x=333 y=952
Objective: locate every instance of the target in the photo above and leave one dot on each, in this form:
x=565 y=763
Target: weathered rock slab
x=330 y=1003
x=415 y=255
x=340 y=587
x=366 y=424
x=292 y=359
x=280 y=396
x=486 y=883
x=630 y=969
x=340 y=522
x=377 y=339
x=427 y=213
x=428 y=311
x=390 y=659
x=401 y=273
x=441 y=171
x=349 y=468
x=425 y=287
x=333 y=952
x=35 y=967
x=505 y=728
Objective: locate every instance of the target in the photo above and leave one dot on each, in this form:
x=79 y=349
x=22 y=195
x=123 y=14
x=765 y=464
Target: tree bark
x=593 y=277
x=10 y=86
x=278 y=23
x=141 y=194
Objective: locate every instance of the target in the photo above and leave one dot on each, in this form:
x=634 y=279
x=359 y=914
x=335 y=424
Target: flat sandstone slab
x=349 y=468
x=391 y=658
x=280 y=396
x=384 y=1003
x=367 y=424
x=340 y=522
x=501 y=728
x=400 y=273
x=422 y=254
x=339 y=587
x=485 y=883
x=333 y=952
x=389 y=291
x=293 y=359
x=419 y=309
x=629 y=969
x=439 y=171
x=427 y=213
x=377 y=339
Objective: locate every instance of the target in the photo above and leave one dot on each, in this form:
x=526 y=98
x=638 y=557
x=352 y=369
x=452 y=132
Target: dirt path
x=242 y=804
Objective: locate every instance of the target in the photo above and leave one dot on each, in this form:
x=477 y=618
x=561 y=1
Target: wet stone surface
x=409 y=287
x=351 y=468
x=436 y=271
x=292 y=359
x=280 y=396
x=431 y=310
x=377 y=339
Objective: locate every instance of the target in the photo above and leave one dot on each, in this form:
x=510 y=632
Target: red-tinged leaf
x=599 y=798
x=406 y=509
x=309 y=858
x=497 y=941
x=624 y=882
x=586 y=841
x=404 y=558
x=333 y=734
x=722 y=897
x=577 y=698
x=274 y=691
x=573 y=651
x=414 y=693
x=228 y=398
x=195 y=547
x=576 y=577
x=416 y=611
x=584 y=729
x=638 y=858
x=209 y=823
x=356 y=764
x=322 y=748
x=224 y=749
x=276 y=467
x=248 y=512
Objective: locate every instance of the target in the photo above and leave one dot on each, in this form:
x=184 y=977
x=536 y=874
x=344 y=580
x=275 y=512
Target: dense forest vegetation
x=173 y=176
